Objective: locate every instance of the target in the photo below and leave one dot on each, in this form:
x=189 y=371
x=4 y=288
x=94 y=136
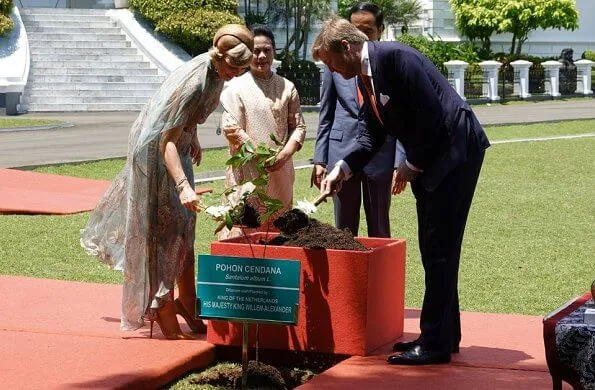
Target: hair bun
x=237 y=31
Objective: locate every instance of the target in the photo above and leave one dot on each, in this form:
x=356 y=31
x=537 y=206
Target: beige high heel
x=196 y=325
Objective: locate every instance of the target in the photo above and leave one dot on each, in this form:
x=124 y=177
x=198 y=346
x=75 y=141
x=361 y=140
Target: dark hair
x=262 y=30
x=371 y=8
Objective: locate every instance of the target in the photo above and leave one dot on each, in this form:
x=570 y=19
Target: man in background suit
x=339 y=123
x=406 y=96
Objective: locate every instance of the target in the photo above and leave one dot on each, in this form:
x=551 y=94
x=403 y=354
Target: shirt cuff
x=399 y=154
x=345 y=168
x=413 y=167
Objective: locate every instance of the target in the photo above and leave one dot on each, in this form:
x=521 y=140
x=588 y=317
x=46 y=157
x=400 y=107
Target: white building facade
x=439 y=21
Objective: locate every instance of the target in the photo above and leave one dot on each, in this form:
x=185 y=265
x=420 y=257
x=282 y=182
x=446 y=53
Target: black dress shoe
x=407 y=345
x=418 y=356
x=403 y=346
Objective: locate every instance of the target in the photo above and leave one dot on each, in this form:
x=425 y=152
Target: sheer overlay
x=140 y=225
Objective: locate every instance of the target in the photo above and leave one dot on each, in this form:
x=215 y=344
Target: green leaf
x=234 y=160
x=228 y=221
x=249 y=147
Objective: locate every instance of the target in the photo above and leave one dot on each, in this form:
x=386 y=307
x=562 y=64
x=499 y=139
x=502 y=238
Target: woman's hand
x=196 y=151
x=187 y=195
x=275 y=163
x=398 y=185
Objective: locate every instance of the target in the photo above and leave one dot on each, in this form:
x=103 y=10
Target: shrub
x=194 y=29
x=6 y=25
x=5 y=7
x=588 y=55
x=157 y=10
x=439 y=51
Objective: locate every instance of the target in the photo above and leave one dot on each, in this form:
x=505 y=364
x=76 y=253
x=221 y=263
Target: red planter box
x=350 y=303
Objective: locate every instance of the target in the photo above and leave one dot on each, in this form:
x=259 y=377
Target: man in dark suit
x=340 y=119
x=406 y=96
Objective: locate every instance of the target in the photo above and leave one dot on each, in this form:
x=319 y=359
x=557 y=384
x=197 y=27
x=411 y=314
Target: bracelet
x=179 y=186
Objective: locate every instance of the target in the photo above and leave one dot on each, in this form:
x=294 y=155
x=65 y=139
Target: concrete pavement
x=100 y=135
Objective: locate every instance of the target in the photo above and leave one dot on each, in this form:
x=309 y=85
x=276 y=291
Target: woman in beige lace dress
x=145 y=223
x=255 y=105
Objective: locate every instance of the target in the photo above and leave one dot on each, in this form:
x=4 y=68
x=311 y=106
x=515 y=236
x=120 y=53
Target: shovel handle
x=320 y=199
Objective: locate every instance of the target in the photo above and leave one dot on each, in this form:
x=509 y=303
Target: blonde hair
x=332 y=33
x=239 y=55
x=233 y=42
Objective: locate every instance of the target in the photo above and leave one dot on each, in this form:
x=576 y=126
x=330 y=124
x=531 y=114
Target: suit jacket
x=340 y=123
x=417 y=105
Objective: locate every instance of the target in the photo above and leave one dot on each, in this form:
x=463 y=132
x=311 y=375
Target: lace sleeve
x=296 y=123
x=233 y=126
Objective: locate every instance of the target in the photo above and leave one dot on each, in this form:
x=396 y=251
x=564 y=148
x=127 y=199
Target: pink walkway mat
x=56 y=334
x=25 y=192
x=498 y=351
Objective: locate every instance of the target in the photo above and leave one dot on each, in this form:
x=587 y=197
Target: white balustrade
x=552 y=77
x=490 y=71
x=521 y=78
x=456 y=75
x=583 y=76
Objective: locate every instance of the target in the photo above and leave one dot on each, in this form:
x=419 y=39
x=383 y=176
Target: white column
x=552 y=77
x=276 y=64
x=321 y=67
x=490 y=71
x=456 y=75
x=583 y=76
x=521 y=78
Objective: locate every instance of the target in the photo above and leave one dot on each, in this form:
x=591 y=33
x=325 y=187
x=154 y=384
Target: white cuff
x=345 y=168
x=400 y=155
x=413 y=167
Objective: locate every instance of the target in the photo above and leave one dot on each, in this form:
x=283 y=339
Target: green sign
x=248 y=289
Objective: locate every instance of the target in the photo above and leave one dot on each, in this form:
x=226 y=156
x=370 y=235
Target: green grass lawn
x=21 y=122
x=528 y=247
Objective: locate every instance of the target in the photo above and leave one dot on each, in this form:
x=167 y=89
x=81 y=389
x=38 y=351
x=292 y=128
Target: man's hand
x=404 y=173
x=318 y=174
x=332 y=183
x=196 y=151
x=398 y=184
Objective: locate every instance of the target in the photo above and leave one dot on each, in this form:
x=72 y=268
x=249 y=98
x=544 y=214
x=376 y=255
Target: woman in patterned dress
x=145 y=222
x=255 y=105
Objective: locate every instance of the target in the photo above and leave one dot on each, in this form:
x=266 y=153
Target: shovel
x=297 y=218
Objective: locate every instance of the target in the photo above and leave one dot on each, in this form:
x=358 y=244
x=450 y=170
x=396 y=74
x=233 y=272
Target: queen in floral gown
x=145 y=223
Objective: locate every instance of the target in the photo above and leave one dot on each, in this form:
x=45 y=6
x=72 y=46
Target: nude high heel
x=196 y=325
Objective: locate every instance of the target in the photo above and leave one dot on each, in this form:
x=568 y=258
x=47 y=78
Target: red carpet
x=56 y=334
x=26 y=192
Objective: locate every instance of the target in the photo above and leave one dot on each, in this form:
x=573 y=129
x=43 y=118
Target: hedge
x=5 y=7
x=157 y=10
x=194 y=29
x=6 y=25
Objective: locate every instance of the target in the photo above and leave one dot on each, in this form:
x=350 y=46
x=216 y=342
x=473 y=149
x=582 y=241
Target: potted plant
x=351 y=301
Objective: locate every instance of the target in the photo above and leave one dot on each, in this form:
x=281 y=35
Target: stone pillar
x=521 y=78
x=276 y=64
x=552 y=77
x=321 y=67
x=456 y=75
x=12 y=102
x=583 y=76
x=490 y=79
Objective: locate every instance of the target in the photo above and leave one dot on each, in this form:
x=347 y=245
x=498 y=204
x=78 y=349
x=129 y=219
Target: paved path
x=104 y=135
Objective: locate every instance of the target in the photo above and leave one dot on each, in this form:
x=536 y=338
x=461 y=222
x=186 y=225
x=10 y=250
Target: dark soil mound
x=299 y=230
x=229 y=376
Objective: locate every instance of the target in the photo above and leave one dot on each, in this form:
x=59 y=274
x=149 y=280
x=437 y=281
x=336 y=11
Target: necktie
x=367 y=83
